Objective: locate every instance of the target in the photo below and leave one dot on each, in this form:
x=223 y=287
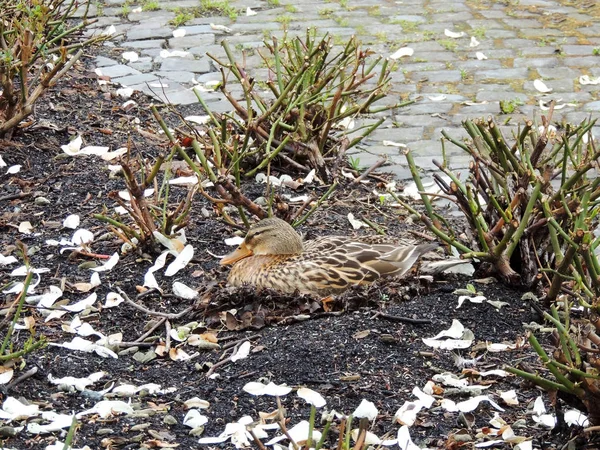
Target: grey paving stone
x=431 y=148
x=580 y=50
x=501 y=74
x=475 y=64
x=441 y=76
x=143 y=64
x=555 y=85
x=179 y=76
x=134 y=80
x=448 y=6
x=178 y=3
x=139 y=33
x=150 y=43
x=455 y=133
x=162 y=16
x=558 y=73
x=402 y=135
x=498 y=53
x=581 y=61
x=569 y=97
x=119 y=70
x=459 y=16
x=428 y=108
x=421 y=66
x=179 y=64
x=186 y=42
x=407 y=18
x=536 y=62
x=493 y=14
x=500 y=34
x=520 y=24
x=539 y=33
x=102 y=61
x=592 y=106
x=496 y=96
x=408 y=119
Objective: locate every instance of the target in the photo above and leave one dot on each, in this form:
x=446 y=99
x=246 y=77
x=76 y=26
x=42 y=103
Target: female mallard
x=273 y=256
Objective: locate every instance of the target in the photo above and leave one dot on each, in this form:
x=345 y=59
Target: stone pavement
x=451 y=78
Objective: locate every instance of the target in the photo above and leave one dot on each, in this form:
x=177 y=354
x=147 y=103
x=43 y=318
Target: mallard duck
x=273 y=255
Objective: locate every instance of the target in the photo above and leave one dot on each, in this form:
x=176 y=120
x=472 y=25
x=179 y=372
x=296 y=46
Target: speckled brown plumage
x=274 y=256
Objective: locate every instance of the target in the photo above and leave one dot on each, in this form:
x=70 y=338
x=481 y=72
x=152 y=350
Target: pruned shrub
x=38 y=45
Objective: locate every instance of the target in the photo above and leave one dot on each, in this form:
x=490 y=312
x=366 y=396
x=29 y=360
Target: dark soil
x=295 y=340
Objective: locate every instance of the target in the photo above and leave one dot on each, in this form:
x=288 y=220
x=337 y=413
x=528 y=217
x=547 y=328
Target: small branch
x=150 y=312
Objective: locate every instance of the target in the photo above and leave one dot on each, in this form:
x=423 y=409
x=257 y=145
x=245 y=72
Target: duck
x=273 y=255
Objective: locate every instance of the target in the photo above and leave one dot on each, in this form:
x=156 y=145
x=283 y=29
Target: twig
x=153 y=313
x=369 y=170
x=402 y=319
x=168 y=336
x=31 y=372
x=158 y=323
x=15 y=196
x=221 y=363
x=239 y=341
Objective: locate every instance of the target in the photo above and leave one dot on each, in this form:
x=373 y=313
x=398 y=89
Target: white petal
x=574 y=417
x=130 y=56
x=425 y=399
x=474 y=42
x=449 y=344
x=356 y=224
x=182 y=291
x=404 y=51
x=179 y=32
x=480 y=56
x=200 y=120
x=108 y=408
x=437 y=98
x=404 y=440
x=407 y=413
x=584 y=79
x=473 y=403
x=456 y=330
x=194 y=419
x=250 y=12
x=95 y=280
x=108 y=264
x=25 y=227
x=73 y=147
x=125 y=92
x=6 y=376
x=82 y=236
x=453 y=34
x=509 y=397
x=196 y=402
x=312 y=397
x=541 y=86
x=14 y=169
x=113 y=299
x=173 y=54
x=366 y=409
x=82 y=304
x=220 y=28
x=243 y=351
x=181 y=261
x=236 y=240
x=6 y=260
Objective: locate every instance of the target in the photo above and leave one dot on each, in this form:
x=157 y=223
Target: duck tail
x=406 y=256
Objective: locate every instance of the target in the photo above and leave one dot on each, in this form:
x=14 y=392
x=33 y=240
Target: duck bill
x=239 y=253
